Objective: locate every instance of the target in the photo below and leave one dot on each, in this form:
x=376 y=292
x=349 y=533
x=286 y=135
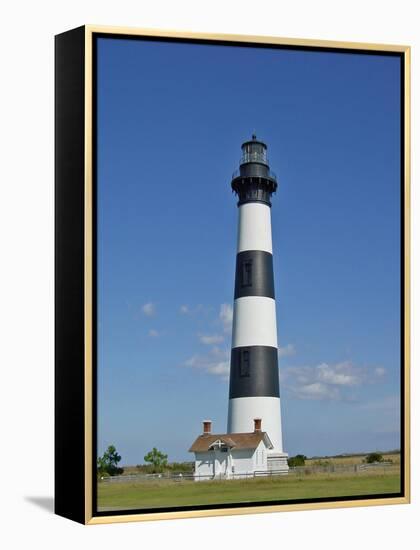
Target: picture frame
x=76 y=272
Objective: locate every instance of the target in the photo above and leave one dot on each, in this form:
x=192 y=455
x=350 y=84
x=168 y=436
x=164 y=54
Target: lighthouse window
x=244 y=363
x=247 y=273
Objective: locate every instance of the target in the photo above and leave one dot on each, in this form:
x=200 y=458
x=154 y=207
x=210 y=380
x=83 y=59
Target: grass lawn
x=155 y=494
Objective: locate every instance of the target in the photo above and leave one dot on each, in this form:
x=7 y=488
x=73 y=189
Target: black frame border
x=97 y=36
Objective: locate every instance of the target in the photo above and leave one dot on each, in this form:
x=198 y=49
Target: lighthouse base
x=277 y=463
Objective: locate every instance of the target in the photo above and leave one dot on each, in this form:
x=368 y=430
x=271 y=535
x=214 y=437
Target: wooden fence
x=298 y=471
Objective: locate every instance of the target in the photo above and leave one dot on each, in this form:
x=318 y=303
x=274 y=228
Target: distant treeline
x=345 y=455
x=151 y=469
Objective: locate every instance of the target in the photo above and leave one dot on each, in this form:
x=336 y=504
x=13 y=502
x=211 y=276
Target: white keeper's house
x=231 y=455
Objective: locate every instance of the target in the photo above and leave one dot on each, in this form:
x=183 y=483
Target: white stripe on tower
x=242 y=409
x=254 y=322
x=254 y=227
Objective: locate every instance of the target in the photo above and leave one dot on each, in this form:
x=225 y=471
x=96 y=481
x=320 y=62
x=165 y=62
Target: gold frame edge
x=407 y=274
x=90 y=519
x=172 y=33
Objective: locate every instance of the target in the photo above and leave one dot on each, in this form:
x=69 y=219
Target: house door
x=220 y=463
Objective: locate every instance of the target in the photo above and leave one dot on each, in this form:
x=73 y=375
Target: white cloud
x=216 y=363
x=211 y=339
x=197 y=310
x=342 y=374
x=153 y=333
x=380 y=371
x=220 y=369
x=317 y=390
x=226 y=316
x=326 y=381
x=149 y=309
x=287 y=350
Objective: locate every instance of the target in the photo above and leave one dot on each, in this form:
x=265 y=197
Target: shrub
x=295 y=461
x=373 y=457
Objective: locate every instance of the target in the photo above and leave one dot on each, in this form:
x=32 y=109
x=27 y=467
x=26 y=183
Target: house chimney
x=257 y=424
x=206 y=426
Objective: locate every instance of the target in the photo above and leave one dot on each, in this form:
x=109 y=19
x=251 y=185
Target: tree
x=298 y=460
x=108 y=463
x=157 y=459
x=374 y=457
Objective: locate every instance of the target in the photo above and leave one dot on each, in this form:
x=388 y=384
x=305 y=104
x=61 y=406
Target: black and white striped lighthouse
x=254 y=376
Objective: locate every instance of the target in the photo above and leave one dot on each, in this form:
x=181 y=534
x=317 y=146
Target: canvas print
x=248 y=260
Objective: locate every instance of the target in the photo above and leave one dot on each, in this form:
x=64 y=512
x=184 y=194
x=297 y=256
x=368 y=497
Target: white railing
x=236 y=173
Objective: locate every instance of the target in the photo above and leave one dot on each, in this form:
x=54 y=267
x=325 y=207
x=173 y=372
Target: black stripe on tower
x=254 y=274
x=254 y=372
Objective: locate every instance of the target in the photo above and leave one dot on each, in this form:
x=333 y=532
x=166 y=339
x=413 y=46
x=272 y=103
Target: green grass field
x=155 y=494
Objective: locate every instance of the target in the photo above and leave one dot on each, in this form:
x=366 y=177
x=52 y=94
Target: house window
x=246 y=273
x=244 y=363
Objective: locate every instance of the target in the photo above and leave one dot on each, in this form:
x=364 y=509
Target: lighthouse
x=252 y=444
x=254 y=377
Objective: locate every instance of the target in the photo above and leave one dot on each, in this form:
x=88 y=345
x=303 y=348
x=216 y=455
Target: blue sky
x=171 y=119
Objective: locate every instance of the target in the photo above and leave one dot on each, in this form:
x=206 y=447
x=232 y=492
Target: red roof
x=234 y=441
